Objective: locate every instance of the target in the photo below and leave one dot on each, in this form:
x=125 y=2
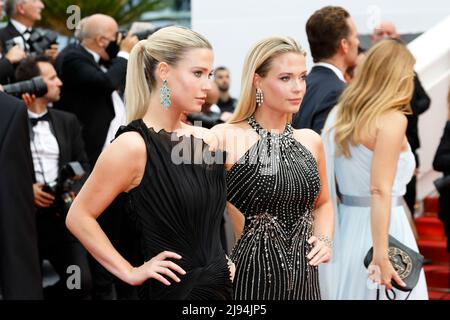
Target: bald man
x=89 y=86
x=384 y=30
x=419 y=104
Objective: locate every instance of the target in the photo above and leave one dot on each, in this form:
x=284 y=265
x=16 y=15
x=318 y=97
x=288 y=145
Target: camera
x=141 y=35
x=62 y=188
x=39 y=41
x=35 y=86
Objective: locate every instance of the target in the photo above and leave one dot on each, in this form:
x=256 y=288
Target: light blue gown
x=345 y=277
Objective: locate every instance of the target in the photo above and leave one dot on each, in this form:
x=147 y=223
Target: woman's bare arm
x=118 y=169
x=324 y=212
x=388 y=145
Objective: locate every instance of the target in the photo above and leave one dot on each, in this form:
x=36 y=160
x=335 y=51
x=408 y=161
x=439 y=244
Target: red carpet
x=433 y=245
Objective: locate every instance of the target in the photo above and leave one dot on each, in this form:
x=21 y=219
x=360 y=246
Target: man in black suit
x=9 y=58
x=22 y=15
x=333 y=40
x=20 y=276
x=88 y=89
x=55 y=141
x=420 y=103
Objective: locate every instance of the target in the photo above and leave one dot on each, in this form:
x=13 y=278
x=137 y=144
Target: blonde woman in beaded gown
x=278 y=197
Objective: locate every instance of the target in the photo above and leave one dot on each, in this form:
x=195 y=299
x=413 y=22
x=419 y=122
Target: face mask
x=112 y=49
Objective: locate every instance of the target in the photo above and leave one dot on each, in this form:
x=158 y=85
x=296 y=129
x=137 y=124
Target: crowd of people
x=137 y=166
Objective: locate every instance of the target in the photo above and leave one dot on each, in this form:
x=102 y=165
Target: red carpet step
x=431 y=205
x=434 y=250
x=438 y=295
x=438 y=276
x=430 y=228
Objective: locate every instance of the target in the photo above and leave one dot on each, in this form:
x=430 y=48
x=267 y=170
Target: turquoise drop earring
x=165 y=95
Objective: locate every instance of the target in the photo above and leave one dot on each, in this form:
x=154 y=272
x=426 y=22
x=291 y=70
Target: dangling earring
x=165 y=95
x=259 y=97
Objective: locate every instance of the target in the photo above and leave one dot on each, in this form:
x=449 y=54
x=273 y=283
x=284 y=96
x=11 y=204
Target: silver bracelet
x=325 y=239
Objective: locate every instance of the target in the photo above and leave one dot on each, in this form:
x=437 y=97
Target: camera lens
x=34 y=86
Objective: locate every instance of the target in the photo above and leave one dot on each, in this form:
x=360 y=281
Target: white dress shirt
x=45 y=150
x=335 y=69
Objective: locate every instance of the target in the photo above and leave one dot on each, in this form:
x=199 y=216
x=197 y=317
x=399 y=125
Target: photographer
x=442 y=163
x=9 y=57
x=90 y=88
x=22 y=15
x=55 y=141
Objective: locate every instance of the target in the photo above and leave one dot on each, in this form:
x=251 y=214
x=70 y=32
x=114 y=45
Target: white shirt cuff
x=124 y=55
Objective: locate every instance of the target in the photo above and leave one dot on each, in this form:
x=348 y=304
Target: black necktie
x=45 y=117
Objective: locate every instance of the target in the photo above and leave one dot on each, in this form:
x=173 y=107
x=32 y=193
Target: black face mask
x=112 y=49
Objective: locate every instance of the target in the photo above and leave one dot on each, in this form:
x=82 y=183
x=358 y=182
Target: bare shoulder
x=129 y=145
x=226 y=128
x=310 y=139
x=231 y=131
x=393 y=120
x=207 y=136
x=391 y=129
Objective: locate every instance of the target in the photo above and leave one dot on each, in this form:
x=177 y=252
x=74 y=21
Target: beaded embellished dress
x=275 y=185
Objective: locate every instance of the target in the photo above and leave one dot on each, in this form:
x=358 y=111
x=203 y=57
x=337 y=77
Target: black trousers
x=67 y=256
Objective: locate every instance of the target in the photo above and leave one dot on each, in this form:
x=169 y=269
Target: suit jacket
x=8 y=33
x=441 y=163
x=420 y=103
x=87 y=93
x=20 y=274
x=6 y=71
x=6 y=68
x=323 y=89
x=67 y=131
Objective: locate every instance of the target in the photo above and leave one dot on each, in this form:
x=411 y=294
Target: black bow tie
x=45 y=117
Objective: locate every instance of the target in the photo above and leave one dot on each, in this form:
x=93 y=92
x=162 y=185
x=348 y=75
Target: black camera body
x=141 y=35
x=39 y=41
x=62 y=188
x=35 y=86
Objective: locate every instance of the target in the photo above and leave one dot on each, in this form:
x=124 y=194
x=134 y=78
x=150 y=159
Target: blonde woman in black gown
x=170 y=172
x=277 y=186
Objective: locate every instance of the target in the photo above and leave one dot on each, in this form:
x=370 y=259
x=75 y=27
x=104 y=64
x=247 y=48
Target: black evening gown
x=178 y=207
x=275 y=185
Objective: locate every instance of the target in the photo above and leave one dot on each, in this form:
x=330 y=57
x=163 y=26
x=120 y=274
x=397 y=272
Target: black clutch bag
x=406 y=262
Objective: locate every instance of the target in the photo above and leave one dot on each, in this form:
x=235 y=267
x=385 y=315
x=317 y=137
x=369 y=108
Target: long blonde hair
x=258 y=61
x=165 y=45
x=384 y=83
